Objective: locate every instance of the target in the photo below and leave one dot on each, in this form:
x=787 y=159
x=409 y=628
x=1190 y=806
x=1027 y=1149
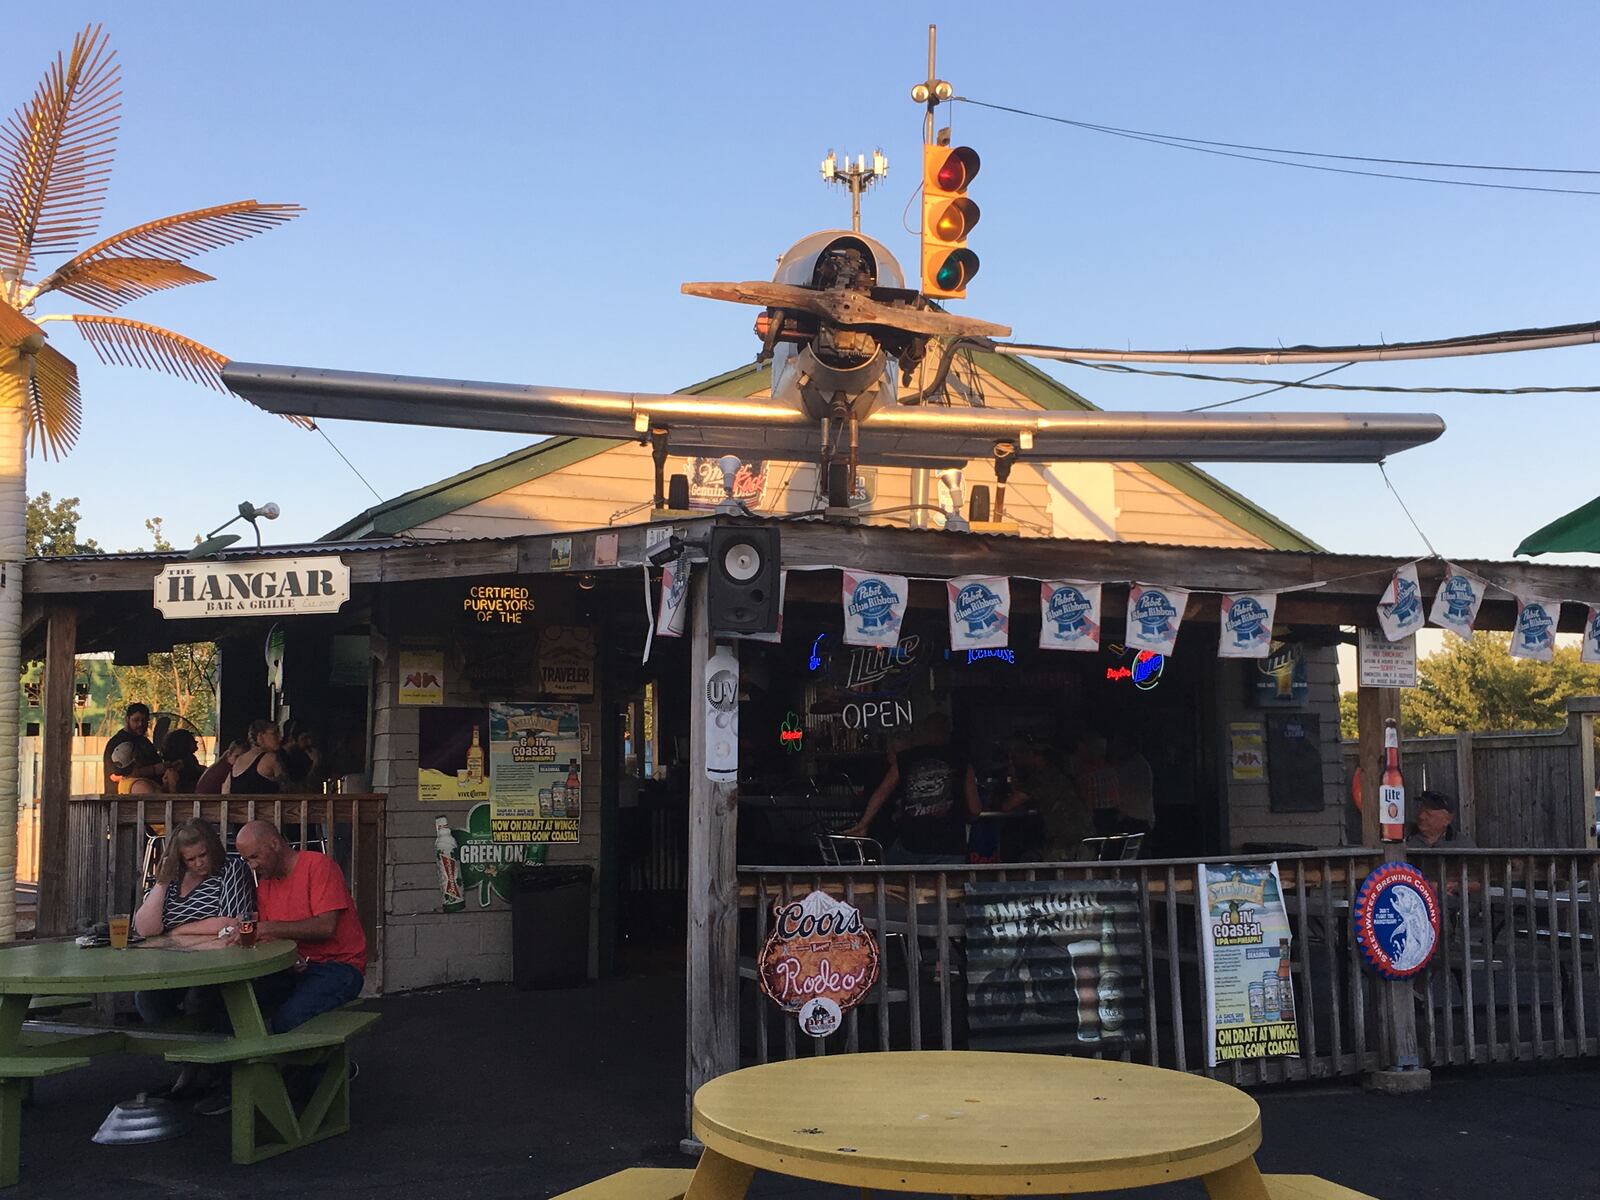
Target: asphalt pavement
x=486 y=1092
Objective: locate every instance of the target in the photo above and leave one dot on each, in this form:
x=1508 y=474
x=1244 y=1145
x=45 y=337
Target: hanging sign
x=673 y=611
x=1455 y=605
x=1396 y=918
x=980 y=612
x=1247 y=624
x=1069 y=615
x=1154 y=614
x=277 y=645
x=1400 y=608
x=1244 y=934
x=819 y=961
x=1535 y=633
x=1591 y=636
x=1383 y=663
x=874 y=607
x=422 y=677
x=252 y=587
x=722 y=717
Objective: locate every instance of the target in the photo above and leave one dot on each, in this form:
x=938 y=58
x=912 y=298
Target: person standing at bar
x=140 y=760
x=938 y=795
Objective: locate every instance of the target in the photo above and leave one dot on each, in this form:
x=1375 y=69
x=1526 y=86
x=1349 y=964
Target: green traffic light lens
x=951 y=275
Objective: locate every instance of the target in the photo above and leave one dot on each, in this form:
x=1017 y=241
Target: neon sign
x=1009 y=656
x=814 y=663
x=791 y=735
x=1144 y=671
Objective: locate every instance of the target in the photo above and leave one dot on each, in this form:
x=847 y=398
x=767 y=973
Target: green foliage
x=1476 y=685
x=53 y=528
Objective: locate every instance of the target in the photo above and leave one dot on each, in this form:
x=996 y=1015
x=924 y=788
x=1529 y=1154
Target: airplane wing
x=916 y=436
x=848 y=309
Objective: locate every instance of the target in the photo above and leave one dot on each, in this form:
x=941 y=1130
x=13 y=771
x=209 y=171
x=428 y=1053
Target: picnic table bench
x=267 y=1118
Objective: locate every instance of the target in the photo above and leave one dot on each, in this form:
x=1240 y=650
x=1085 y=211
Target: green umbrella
x=1578 y=531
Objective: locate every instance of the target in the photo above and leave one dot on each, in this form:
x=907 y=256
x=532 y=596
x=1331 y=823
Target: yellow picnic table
x=975 y=1123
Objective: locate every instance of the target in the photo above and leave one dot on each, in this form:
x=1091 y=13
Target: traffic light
x=947 y=217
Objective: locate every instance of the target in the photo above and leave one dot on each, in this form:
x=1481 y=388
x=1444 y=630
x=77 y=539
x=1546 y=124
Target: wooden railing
x=113 y=843
x=1515 y=976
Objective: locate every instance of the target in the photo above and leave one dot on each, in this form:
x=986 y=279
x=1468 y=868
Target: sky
x=515 y=194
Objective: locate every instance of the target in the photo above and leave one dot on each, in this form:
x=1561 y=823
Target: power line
x=1278 y=387
x=1401 y=499
x=1123 y=369
x=1201 y=147
x=347 y=462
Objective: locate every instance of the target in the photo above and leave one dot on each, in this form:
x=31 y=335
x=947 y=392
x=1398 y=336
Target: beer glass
x=117 y=927
x=247 y=929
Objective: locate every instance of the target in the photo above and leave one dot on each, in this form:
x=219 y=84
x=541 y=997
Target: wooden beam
x=1374 y=706
x=1467 y=784
x=713 y=950
x=60 y=716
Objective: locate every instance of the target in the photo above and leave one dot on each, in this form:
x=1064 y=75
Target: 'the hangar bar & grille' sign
x=253 y=587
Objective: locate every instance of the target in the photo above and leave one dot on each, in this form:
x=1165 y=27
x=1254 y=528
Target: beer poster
x=1055 y=965
x=452 y=755
x=472 y=863
x=1591 y=634
x=1247 y=624
x=422 y=677
x=819 y=961
x=1534 y=636
x=1244 y=937
x=1069 y=615
x=980 y=612
x=1154 y=614
x=1400 y=608
x=536 y=764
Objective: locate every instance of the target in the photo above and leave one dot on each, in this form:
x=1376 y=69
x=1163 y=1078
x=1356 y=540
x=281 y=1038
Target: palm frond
x=55 y=406
x=180 y=236
x=55 y=154
x=129 y=343
x=14 y=327
x=109 y=283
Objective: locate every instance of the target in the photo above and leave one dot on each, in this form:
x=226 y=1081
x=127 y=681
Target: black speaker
x=742 y=594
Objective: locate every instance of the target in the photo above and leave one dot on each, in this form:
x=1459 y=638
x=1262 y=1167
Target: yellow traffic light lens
x=954 y=221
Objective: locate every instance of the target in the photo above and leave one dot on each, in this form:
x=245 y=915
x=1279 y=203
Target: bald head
x=263 y=849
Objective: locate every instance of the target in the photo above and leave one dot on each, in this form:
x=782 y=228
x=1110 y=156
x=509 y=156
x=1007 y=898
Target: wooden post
x=713 y=962
x=1466 y=785
x=1581 y=712
x=60 y=678
x=1374 y=706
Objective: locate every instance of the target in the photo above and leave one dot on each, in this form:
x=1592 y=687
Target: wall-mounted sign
x=1055 y=964
x=524 y=759
x=1247 y=753
x=1383 y=663
x=490 y=603
x=819 y=950
x=252 y=587
x=1279 y=680
x=706 y=488
x=471 y=859
x=566 y=660
x=1244 y=933
x=605 y=550
x=792 y=734
x=560 y=553
x=721 y=701
x=1396 y=919
x=422 y=677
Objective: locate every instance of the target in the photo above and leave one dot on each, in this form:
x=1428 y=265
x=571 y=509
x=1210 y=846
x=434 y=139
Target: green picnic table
x=256 y=1056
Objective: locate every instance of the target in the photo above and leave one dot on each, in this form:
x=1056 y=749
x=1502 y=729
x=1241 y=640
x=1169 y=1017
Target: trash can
x=550 y=926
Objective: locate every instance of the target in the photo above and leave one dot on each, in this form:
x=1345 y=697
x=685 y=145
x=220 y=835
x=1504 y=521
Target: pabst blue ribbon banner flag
x=1400 y=609
x=980 y=612
x=1535 y=632
x=1069 y=615
x=1154 y=614
x=1247 y=624
x=874 y=606
x=1455 y=606
x=1591 y=636
x=674 y=608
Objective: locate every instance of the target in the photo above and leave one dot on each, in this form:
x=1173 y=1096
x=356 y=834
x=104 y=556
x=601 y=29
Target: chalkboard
x=1294 y=762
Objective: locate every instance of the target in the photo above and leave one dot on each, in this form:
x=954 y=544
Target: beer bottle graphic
x=475 y=759
x=1110 y=988
x=1085 y=956
x=574 y=789
x=444 y=846
x=1392 y=788
x=1285 y=987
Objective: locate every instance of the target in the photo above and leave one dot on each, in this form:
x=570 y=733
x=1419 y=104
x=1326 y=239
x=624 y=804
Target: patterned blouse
x=227 y=894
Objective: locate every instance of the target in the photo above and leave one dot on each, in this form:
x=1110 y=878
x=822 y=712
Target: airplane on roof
x=844 y=335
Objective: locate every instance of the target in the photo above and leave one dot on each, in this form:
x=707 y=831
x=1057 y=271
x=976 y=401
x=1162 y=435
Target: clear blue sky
x=514 y=192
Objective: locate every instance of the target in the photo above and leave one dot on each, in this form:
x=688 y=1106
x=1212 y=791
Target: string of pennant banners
x=979 y=606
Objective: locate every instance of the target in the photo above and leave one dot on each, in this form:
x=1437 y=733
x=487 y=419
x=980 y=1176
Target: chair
x=842 y=850
x=1112 y=847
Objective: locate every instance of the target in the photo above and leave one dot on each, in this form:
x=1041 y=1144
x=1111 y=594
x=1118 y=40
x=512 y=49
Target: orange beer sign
x=819 y=949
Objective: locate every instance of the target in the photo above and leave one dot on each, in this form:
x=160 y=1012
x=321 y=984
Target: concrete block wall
x=423 y=945
x=1250 y=815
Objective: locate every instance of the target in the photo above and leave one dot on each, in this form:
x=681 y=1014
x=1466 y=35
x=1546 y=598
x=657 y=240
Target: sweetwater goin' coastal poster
x=1244 y=933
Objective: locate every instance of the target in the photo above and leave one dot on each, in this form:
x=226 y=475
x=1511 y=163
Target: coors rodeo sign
x=818 y=961
x=252 y=587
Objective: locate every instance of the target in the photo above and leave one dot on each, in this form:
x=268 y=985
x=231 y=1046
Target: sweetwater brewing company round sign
x=1396 y=918
x=819 y=961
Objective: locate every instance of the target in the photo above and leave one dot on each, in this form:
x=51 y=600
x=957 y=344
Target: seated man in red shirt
x=301 y=894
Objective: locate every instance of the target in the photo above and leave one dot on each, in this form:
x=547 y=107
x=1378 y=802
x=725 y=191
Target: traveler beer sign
x=252 y=587
x=819 y=950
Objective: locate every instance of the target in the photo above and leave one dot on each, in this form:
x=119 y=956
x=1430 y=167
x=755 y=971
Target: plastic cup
x=247 y=930
x=117 y=928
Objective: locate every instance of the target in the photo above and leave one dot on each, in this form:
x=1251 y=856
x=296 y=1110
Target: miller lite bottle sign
x=1392 y=788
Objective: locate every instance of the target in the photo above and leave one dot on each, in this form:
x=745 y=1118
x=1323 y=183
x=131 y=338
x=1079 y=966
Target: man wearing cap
x=1435 y=827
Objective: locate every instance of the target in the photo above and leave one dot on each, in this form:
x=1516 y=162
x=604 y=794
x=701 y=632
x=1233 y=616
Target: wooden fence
x=1514 y=979
x=1529 y=788
x=113 y=843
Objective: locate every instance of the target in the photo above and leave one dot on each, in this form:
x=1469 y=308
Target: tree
x=1476 y=685
x=55 y=161
x=52 y=528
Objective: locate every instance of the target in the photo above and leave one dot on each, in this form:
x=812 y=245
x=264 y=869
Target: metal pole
x=920 y=478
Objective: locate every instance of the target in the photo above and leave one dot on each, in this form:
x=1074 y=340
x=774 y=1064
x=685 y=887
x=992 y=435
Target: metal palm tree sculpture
x=55 y=161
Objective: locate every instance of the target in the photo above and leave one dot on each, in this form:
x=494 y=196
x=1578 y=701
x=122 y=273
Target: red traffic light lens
x=957 y=170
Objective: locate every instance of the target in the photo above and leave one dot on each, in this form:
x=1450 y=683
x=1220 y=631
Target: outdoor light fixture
x=953 y=520
x=217 y=541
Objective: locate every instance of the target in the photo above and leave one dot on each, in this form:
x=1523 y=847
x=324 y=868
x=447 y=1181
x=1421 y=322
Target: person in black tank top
x=258 y=770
